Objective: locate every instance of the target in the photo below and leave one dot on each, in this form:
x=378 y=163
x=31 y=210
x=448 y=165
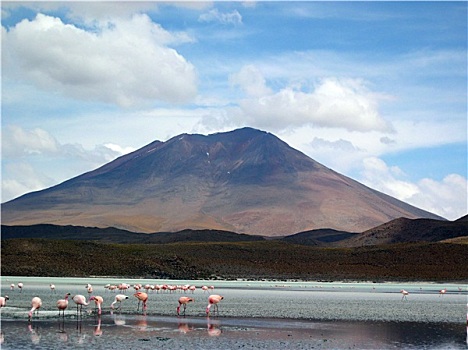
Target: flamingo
x=12 y=286
x=36 y=304
x=118 y=298
x=52 y=288
x=213 y=300
x=142 y=297
x=184 y=301
x=405 y=293
x=442 y=291
x=3 y=301
x=98 y=300
x=62 y=304
x=80 y=300
x=204 y=289
x=20 y=286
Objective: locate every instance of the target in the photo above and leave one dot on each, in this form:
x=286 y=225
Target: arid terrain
x=437 y=252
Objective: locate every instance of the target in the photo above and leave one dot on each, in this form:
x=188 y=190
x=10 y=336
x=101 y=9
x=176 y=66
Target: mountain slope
x=245 y=181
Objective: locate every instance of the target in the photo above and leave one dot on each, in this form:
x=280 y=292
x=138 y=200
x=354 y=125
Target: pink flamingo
x=62 y=304
x=213 y=300
x=184 y=301
x=405 y=293
x=12 y=286
x=36 y=304
x=52 y=288
x=142 y=297
x=3 y=300
x=98 y=300
x=80 y=300
x=118 y=299
x=20 y=286
x=442 y=292
x=204 y=289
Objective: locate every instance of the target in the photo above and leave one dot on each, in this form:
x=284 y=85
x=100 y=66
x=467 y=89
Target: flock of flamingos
x=80 y=300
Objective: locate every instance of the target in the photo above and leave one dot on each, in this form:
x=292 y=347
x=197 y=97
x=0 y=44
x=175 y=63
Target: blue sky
x=374 y=90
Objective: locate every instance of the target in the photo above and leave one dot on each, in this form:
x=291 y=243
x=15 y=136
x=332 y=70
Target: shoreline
x=248 y=280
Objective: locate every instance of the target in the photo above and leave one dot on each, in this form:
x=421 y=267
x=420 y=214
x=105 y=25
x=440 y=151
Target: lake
x=253 y=314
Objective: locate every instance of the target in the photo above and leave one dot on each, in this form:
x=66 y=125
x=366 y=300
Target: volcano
x=246 y=181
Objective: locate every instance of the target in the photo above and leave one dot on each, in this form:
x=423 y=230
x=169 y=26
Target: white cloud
x=447 y=198
x=22 y=178
x=125 y=62
x=214 y=15
x=119 y=149
x=18 y=142
x=251 y=81
x=33 y=159
x=335 y=103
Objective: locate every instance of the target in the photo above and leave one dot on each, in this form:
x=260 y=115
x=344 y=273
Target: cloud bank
x=447 y=198
x=126 y=62
x=333 y=102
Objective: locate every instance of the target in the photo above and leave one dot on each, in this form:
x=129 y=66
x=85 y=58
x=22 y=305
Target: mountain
x=245 y=181
x=403 y=230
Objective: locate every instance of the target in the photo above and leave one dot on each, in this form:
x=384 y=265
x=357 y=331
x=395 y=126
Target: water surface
x=260 y=314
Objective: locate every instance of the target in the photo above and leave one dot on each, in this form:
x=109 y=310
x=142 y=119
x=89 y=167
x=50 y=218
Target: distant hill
x=113 y=235
x=321 y=237
x=403 y=230
x=245 y=181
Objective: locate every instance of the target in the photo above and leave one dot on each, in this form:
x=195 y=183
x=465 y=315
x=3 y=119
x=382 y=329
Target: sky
x=374 y=90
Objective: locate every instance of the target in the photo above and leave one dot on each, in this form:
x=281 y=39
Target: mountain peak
x=245 y=180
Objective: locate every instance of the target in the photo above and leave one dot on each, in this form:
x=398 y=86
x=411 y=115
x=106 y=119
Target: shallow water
x=270 y=315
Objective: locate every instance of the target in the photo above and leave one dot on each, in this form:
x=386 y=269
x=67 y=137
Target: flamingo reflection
x=213 y=328
x=81 y=336
x=184 y=327
x=35 y=336
x=62 y=334
x=97 y=329
x=141 y=323
x=119 y=319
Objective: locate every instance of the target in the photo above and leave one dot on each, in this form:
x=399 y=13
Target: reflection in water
x=183 y=327
x=35 y=336
x=80 y=335
x=220 y=333
x=119 y=319
x=213 y=328
x=62 y=334
x=97 y=329
x=141 y=322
